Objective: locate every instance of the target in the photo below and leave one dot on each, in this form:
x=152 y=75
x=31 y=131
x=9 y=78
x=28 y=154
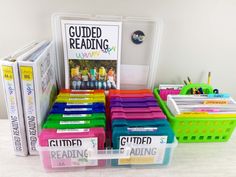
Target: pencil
x=209 y=78
x=193 y=90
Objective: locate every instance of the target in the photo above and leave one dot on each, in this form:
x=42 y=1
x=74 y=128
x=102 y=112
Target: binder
x=38 y=89
x=13 y=99
x=12 y=94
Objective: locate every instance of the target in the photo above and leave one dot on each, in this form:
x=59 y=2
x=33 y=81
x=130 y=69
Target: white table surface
x=195 y=160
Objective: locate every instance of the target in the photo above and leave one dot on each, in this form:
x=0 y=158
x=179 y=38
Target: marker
x=185 y=82
x=189 y=80
x=193 y=90
x=209 y=78
x=216 y=91
x=200 y=90
x=197 y=92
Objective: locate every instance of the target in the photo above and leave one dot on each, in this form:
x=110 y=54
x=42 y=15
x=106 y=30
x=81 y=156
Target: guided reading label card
x=72 y=157
x=144 y=149
x=62 y=148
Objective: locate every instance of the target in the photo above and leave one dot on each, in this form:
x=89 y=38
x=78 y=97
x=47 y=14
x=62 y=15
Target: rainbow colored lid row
x=85 y=122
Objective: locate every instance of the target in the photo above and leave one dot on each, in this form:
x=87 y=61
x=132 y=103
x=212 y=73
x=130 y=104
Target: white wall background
x=199 y=35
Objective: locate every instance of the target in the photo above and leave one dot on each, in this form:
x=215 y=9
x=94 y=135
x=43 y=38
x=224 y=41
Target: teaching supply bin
x=137 y=71
x=50 y=158
x=198 y=129
x=80 y=143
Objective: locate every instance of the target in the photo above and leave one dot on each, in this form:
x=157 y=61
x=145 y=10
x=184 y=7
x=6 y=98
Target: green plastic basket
x=189 y=130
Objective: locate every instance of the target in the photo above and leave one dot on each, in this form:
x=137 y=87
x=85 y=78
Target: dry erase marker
x=200 y=90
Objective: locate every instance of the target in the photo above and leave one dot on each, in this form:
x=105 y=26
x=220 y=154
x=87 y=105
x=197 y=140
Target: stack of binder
x=30 y=89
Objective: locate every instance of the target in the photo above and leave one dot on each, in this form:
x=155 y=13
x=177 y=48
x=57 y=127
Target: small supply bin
x=69 y=158
x=198 y=129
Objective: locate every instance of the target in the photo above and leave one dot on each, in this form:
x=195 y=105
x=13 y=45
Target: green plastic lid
x=74 y=124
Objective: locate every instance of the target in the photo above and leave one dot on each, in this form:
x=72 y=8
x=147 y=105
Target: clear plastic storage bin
x=70 y=158
x=138 y=69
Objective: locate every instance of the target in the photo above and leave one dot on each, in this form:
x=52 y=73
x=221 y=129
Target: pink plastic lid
x=138 y=116
x=47 y=134
x=136 y=110
x=145 y=95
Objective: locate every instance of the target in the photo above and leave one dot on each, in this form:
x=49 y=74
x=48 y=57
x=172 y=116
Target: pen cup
x=186 y=90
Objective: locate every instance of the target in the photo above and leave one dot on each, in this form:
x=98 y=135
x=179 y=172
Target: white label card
x=72 y=157
x=144 y=129
x=74 y=122
x=77 y=115
x=144 y=149
x=81 y=104
x=78 y=109
x=72 y=130
x=90 y=36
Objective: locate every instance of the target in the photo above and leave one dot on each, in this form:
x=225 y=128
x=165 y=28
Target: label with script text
x=144 y=149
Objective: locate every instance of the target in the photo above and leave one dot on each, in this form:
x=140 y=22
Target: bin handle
x=109 y=154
